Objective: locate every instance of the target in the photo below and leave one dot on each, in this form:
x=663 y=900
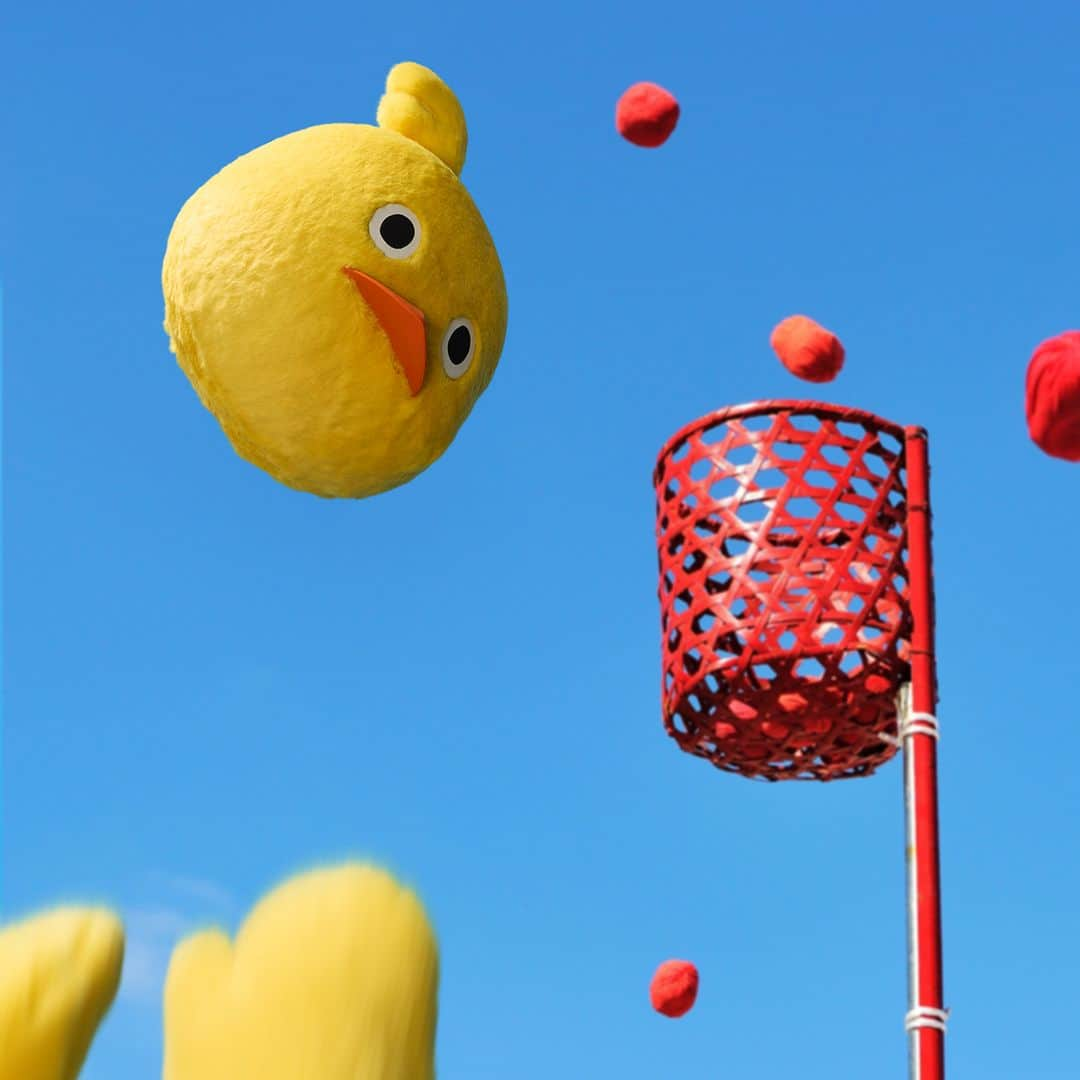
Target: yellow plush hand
x=334 y=976
x=59 y=973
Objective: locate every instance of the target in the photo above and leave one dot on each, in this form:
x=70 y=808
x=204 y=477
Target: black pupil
x=457 y=348
x=398 y=231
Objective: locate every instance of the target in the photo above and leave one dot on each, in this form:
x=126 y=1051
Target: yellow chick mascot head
x=59 y=972
x=335 y=298
x=334 y=975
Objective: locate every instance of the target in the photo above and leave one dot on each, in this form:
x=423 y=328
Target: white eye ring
x=457 y=366
x=380 y=217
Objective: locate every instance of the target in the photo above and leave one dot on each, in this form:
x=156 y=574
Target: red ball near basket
x=783 y=589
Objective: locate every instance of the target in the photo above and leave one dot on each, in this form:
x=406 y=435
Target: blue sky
x=211 y=681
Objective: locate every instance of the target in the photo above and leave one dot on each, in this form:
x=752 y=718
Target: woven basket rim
x=821 y=409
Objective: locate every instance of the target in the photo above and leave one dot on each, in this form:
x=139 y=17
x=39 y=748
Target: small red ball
x=674 y=988
x=741 y=709
x=646 y=114
x=1053 y=396
x=807 y=349
x=877 y=684
x=792 y=702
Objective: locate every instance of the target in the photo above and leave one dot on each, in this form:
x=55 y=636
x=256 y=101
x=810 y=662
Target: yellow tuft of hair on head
x=420 y=106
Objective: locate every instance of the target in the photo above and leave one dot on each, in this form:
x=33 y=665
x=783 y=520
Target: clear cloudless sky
x=212 y=681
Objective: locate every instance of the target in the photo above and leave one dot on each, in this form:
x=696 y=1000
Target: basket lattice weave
x=781 y=528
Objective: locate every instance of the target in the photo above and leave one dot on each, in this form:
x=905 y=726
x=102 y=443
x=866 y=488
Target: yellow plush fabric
x=420 y=106
x=334 y=976
x=276 y=339
x=59 y=972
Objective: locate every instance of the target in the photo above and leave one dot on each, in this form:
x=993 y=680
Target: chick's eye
x=395 y=231
x=458 y=347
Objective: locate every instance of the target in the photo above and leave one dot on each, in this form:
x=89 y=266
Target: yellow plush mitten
x=59 y=972
x=334 y=976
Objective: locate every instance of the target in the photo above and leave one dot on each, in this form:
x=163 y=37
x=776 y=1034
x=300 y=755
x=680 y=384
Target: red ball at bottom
x=674 y=988
x=1053 y=396
x=646 y=114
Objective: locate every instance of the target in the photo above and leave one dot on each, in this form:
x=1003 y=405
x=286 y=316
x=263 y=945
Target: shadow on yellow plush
x=59 y=972
x=333 y=976
x=335 y=298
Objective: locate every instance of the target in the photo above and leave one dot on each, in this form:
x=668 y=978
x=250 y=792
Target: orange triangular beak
x=402 y=322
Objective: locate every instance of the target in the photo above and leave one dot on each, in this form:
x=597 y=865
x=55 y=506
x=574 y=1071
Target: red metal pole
x=918 y=730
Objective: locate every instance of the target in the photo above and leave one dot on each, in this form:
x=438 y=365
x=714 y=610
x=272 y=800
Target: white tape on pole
x=925 y=1016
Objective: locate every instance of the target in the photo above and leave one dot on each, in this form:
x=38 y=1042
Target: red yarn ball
x=877 y=684
x=674 y=988
x=792 y=702
x=775 y=730
x=1053 y=396
x=646 y=114
x=807 y=349
x=741 y=709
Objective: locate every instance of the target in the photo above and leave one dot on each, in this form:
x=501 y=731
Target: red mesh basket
x=781 y=528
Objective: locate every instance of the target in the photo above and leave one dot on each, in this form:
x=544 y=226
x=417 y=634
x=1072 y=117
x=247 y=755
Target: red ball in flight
x=646 y=114
x=674 y=988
